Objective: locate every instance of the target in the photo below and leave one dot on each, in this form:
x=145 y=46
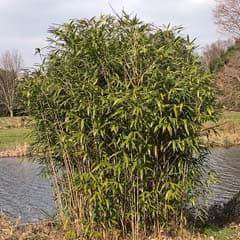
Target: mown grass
x=14 y=132
x=12 y=137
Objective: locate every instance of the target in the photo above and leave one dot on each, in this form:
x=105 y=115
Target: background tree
x=10 y=66
x=227 y=16
x=213 y=55
x=226 y=73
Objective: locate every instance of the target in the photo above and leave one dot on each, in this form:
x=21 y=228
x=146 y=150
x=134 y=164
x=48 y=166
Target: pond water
x=24 y=193
x=226 y=164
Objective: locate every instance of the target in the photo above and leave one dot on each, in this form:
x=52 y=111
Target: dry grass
x=15 y=151
x=47 y=230
x=15 y=122
x=228 y=131
x=44 y=230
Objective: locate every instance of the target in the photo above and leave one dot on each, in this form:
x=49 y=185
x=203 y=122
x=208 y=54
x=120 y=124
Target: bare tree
x=227 y=16
x=10 y=67
x=213 y=51
x=212 y=54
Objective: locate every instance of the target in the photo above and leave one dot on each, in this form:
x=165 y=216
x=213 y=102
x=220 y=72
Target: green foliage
x=225 y=233
x=118 y=109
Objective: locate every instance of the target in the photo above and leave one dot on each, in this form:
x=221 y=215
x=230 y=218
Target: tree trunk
x=11 y=112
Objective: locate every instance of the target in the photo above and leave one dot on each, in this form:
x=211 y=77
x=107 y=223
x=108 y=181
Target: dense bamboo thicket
x=118 y=107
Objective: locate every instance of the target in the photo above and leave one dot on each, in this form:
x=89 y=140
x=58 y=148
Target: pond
x=26 y=194
x=23 y=192
x=226 y=164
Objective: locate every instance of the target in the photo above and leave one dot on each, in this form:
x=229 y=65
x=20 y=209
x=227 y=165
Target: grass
x=229 y=116
x=230 y=232
x=44 y=230
x=12 y=137
x=14 y=134
x=228 y=130
x=14 y=122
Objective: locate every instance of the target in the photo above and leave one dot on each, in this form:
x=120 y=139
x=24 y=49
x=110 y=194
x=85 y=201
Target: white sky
x=24 y=23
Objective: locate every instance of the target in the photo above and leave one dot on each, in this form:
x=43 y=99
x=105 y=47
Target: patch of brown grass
x=227 y=134
x=227 y=130
x=15 y=122
x=17 y=151
x=44 y=230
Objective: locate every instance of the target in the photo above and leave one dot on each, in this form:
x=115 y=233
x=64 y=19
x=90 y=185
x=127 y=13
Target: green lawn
x=224 y=233
x=14 y=132
x=11 y=137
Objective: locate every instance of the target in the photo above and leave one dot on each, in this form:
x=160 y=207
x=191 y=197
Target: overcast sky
x=24 y=23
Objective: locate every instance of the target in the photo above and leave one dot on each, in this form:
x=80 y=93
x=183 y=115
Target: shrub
x=118 y=109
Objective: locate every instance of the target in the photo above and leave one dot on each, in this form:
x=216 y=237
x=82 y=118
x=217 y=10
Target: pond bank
x=227 y=135
x=51 y=230
x=16 y=151
x=227 y=131
x=41 y=230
